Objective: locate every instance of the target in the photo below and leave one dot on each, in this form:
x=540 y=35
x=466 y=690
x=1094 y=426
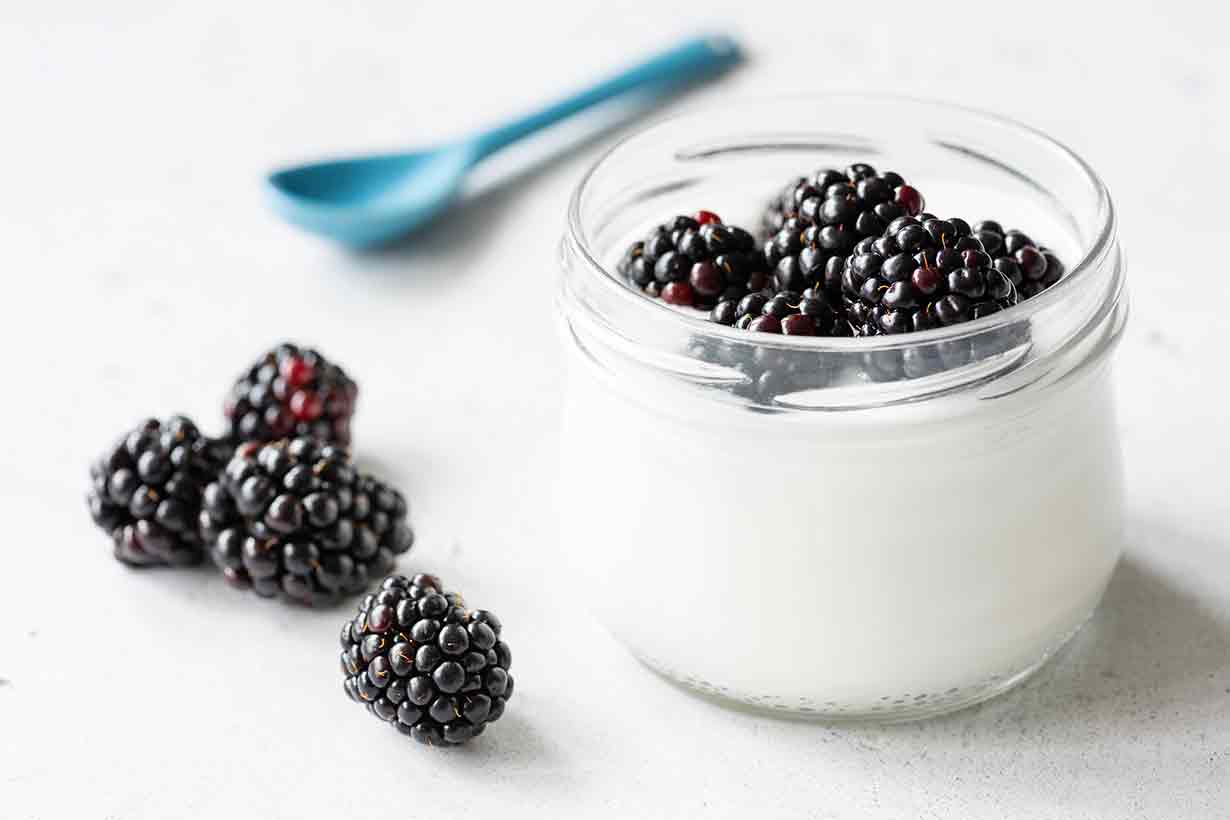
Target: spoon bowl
x=370 y=201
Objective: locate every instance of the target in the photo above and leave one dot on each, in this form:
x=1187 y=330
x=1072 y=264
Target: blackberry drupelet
x=741 y=310
x=920 y=275
x=1030 y=266
x=696 y=261
x=821 y=218
x=420 y=660
x=291 y=391
x=146 y=491
x=294 y=519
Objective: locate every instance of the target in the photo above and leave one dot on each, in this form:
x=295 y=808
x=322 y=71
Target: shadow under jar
x=851 y=528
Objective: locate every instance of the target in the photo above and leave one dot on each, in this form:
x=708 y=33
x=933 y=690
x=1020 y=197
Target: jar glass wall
x=878 y=528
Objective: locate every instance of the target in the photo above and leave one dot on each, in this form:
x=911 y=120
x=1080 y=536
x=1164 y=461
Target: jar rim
x=1097 y=248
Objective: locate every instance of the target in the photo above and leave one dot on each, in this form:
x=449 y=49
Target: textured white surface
x=141 y=271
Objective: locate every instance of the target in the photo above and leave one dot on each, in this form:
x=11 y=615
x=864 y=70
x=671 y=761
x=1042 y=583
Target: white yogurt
x=885 y=562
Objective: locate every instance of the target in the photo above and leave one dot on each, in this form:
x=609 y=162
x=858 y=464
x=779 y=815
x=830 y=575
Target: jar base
x=887 y=709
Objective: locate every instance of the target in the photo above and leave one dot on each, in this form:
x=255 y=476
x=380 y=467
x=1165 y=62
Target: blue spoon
x=369 y=201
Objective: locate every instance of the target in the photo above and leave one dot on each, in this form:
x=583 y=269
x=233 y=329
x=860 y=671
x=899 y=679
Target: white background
x=141 y=272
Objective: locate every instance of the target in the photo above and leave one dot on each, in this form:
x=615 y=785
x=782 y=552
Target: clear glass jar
x=876 y=528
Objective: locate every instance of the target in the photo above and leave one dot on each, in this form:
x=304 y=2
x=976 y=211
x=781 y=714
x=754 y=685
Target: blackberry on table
x=422 y=661
x=819 y=220
x=291 y=391
x=695 y=261
x=294 y=519
x=146 y=491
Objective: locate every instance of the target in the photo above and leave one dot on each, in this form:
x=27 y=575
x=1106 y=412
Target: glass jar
x=867 y=528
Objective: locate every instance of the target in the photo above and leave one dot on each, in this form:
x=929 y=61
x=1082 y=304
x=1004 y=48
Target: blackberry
x=1030 y=266
x=823 y=217
x=788 y=313
x=291 y=391
x=146 y=491
x=293 y=518
x=696 y=261
x=922 y=274
x=420 y=660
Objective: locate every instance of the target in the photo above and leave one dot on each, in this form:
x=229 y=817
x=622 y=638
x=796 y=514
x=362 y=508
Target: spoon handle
x=690 y=60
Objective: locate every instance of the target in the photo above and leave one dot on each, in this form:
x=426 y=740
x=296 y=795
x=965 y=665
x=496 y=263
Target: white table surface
x=141 y=271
